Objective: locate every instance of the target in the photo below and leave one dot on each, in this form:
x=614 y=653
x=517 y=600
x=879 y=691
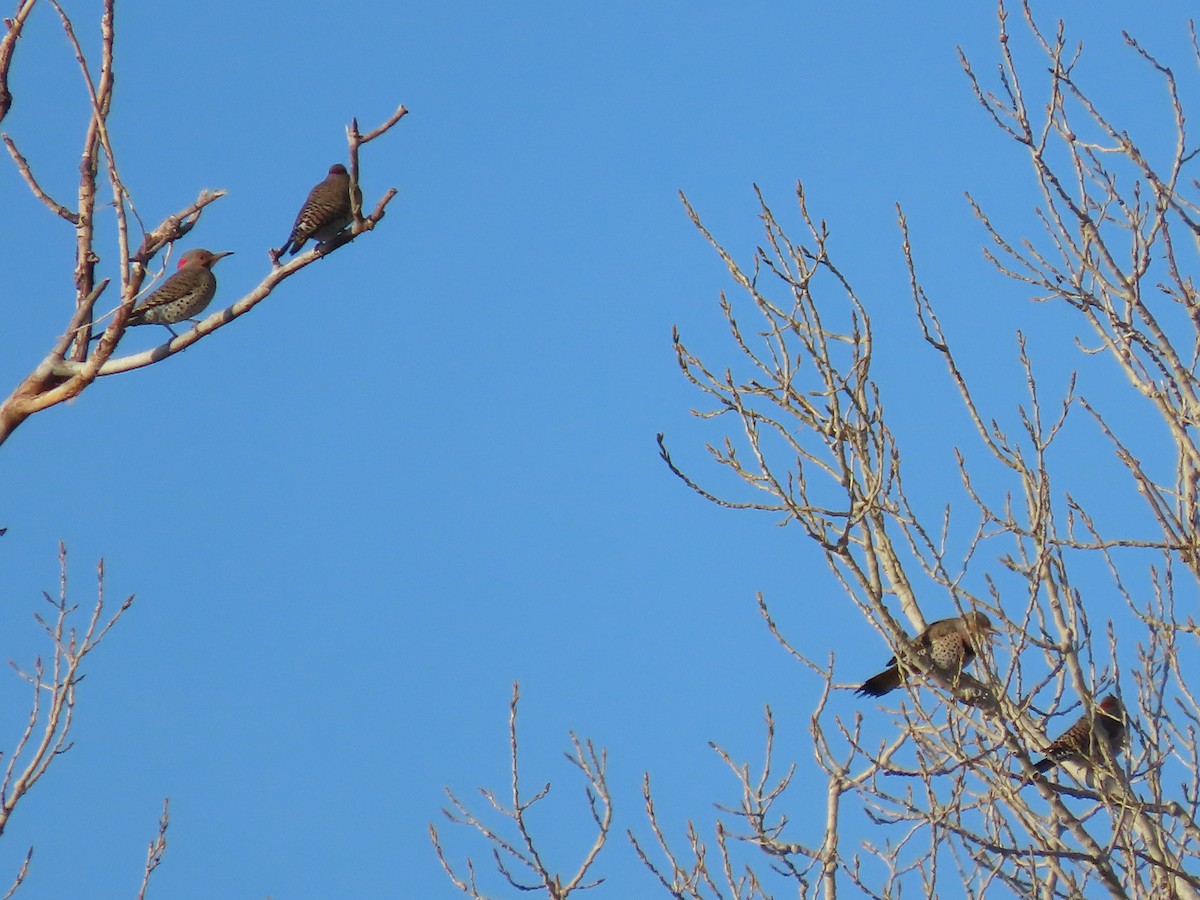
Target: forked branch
x=531 y=872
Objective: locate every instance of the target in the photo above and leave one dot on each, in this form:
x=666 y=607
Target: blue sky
x=426 y=467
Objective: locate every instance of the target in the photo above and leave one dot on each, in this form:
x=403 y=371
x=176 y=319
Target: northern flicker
x=1082 y=743
x=325 y=213
x=183 y=295
x=949 y=645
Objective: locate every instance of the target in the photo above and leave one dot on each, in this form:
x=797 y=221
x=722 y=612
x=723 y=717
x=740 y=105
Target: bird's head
x=1112 y=706
x=979 y=628
x=979 y=623
x=205 y=258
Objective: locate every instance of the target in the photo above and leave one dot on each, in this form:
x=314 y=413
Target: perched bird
x=325 y=213
x=948 y=644
x=183 y=295
x=1082 y=743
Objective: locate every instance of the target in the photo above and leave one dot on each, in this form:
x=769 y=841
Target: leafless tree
x=952 y=795
x=55 y=684
x=76 y=358
x=532 y=873
x=949 y=800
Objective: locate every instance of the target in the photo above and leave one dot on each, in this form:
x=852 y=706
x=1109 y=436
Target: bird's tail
x=878 y=685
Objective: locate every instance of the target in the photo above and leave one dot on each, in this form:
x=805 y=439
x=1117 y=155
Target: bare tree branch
x=8 y=46
x=75 y=360
x=52 y=711
x=156 y=850
x=22 y=873
x=951 y=789
x=524 y=849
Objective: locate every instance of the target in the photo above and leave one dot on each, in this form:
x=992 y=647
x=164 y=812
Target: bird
x=949 y=645
x=325 y=213
x=1082 y=743
x=182 y=296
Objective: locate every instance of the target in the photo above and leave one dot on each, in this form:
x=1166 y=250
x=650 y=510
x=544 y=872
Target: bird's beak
x=221 y=255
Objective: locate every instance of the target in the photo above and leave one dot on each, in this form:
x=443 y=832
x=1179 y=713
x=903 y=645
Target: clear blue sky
x=426 y=467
